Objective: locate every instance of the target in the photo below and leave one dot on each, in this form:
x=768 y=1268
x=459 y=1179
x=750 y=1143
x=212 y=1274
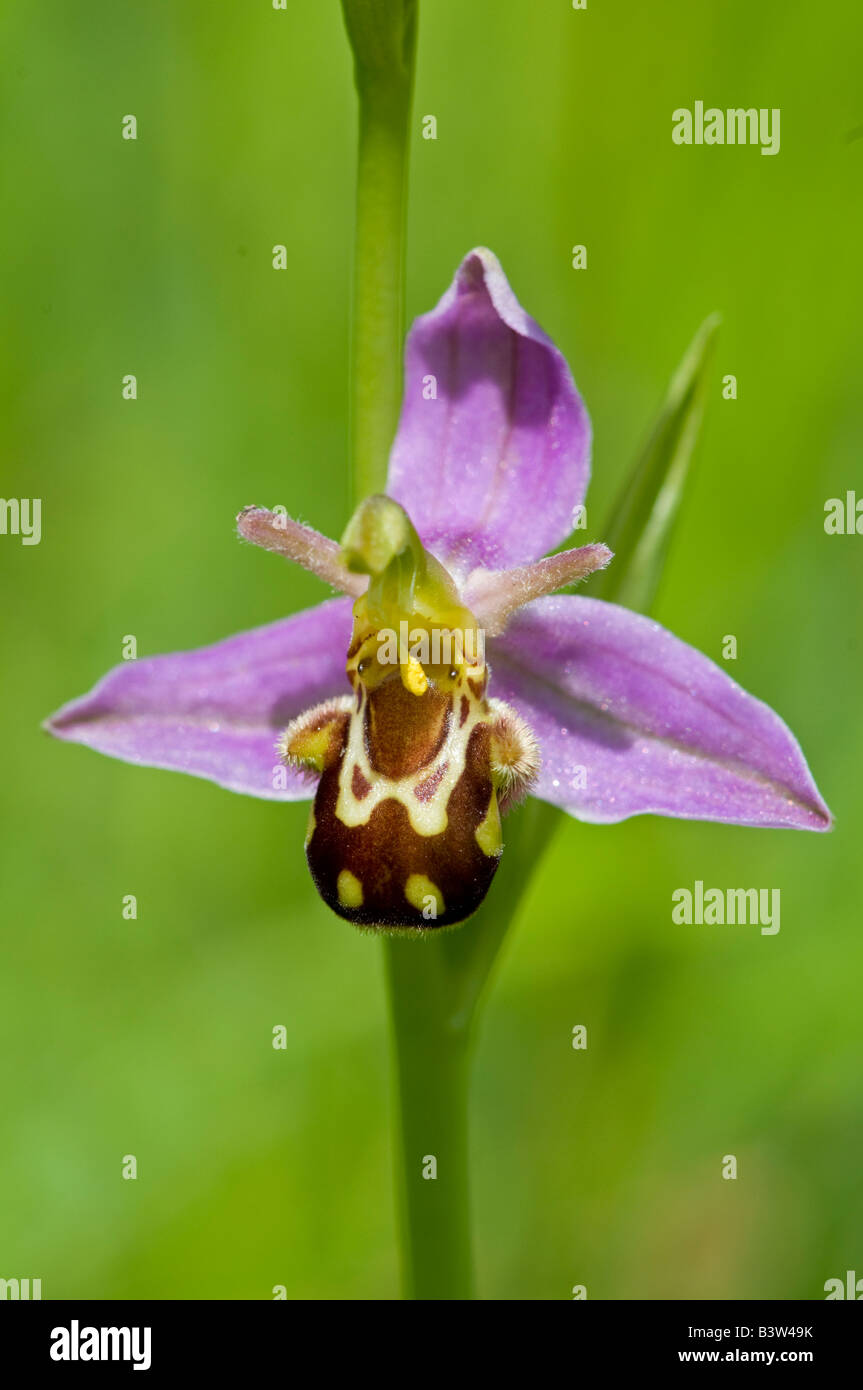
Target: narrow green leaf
x=642 y=522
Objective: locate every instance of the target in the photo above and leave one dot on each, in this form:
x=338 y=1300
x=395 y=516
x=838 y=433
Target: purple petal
x=491 y=470
x=632 y=720
x=215 y=712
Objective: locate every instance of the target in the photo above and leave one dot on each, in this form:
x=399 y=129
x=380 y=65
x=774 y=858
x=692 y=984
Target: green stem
x=383 y=35
x=436 y=983
x=431 y=1052
x=434 y=987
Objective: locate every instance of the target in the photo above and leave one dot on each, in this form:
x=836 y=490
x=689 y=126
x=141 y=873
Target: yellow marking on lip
x=426 y=817
x=419 y=889
x=311 y=827
x=488 y=832
x=349 y=889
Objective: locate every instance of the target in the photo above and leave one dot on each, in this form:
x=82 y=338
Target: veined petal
x=632 y=720
x=216 y=712
x=492 y=453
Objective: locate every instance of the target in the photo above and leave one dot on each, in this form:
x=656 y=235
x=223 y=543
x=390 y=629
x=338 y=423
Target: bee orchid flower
x=452 y=676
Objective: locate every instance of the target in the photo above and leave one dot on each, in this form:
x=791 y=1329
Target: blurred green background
x=259 y=1167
